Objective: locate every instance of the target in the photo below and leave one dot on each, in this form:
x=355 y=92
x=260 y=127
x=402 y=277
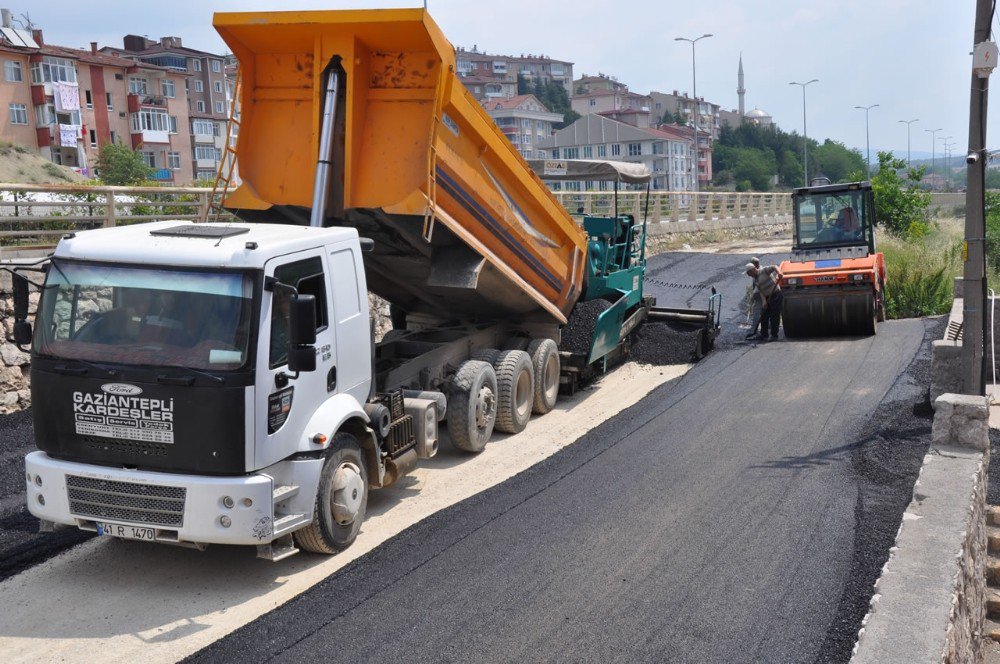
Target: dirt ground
x=21 y=165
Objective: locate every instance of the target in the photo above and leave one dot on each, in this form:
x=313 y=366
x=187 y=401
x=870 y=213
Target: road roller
x=834 y=283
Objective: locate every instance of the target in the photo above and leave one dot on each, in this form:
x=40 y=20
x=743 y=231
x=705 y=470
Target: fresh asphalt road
x=712 y=521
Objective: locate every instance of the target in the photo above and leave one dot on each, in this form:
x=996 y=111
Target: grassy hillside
x=22 y=165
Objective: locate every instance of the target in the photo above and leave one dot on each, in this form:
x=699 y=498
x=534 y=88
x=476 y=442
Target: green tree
x=523 y=85
x=900 y=204
x=836 y=161
x=121 y=165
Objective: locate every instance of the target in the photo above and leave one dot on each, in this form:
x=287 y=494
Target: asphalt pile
x=21 y=545
x=579 y=331
x=659 y=344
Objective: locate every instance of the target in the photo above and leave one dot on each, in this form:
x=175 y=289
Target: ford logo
x=123 y=389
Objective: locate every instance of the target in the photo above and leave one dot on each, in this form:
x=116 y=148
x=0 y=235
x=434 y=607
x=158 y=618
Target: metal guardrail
x=34 y=215
x=679 y=205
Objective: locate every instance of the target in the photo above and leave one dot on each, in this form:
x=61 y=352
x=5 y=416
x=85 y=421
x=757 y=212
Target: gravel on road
x=660 y=343
x=21 y=545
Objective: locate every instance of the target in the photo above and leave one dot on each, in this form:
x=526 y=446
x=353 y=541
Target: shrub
x=919 y=274
x=900 y=204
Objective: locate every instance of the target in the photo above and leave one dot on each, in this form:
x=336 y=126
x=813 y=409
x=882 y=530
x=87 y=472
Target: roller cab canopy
x=591 y=169
x=462 y=227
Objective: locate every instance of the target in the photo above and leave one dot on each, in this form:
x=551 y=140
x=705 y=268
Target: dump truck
x=221 y=383
x=834 y=283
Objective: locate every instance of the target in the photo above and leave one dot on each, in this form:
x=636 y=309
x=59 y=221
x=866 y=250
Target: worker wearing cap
x=756 y=312
x=769 y=291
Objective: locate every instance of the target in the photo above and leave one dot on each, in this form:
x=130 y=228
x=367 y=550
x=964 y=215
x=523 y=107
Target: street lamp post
x=868 y=147
x=805 y=136
x=694 y=94
x=908 y=123
x=933 y=133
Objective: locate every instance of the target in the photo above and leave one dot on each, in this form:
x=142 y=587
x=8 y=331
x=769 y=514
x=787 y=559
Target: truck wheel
x=472 y=408
x=545 y=361
x=881 y=302
x=487 y=355
x=515 y=390
x=341 y=500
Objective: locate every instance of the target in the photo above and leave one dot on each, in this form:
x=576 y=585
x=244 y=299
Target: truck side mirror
x=302 y=320
x=22 y=328
x=301 y=358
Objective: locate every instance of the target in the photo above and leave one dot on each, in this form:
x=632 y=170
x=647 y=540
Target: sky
x=911 y=57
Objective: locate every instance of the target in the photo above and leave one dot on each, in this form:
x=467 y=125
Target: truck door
x=350 y=304
x=285 y=404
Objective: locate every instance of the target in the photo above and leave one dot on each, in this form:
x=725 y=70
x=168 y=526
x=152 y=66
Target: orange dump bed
x=462 y=226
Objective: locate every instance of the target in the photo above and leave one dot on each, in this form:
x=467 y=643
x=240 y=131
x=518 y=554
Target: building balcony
x=204 y=138
x=136 y=101
x=206 y=163
x=149 y=136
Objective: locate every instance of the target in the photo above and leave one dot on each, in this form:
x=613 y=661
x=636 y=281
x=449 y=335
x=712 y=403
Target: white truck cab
x=219 y=383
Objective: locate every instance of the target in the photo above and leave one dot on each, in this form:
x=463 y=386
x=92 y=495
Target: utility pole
x=908 y=123
x=694 y=107
x=974 y=282
x=868 y=146
x=805 y=136
x=933 y=133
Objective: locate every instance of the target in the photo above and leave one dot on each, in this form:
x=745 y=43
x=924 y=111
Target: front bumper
x=182 y=509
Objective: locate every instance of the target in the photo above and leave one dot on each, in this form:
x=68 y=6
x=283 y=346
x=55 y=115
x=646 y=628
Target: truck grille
x=126 y=501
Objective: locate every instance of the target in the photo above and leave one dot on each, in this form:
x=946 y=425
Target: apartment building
x=682 y=106
x=495 y=76
x=586 y=84
x=524 y=120
x=667 y=153
x=208 y=96
x=612 y=101
x=67 y=103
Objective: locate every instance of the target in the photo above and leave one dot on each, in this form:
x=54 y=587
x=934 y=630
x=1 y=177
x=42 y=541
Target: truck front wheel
x=472 y=406
x=341 y=500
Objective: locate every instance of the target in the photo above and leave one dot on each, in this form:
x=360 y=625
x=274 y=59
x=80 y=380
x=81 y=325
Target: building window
x=173 y=124
x=18 y=114
x=89 y=98
x=174 y=160
x=206 y=175
x=572 y=153
x=150 y=119
x=204 y=128
x=206 y=152
x=138 y=86
x=218 y=86
x=168 y=88
x=588 y=151
x=616 y=150
x=555 y=153
x=199 y=86
x=93 y=138
x=114 y=137
x=216 y=66
x=51 y=70
x=220 y=107
x=201 y=107
x=196 y=64
x=12 y=71
x=634 y=149
x=593 y=102
x=602 y=150
x=45 y=114
x=149 y=157
x=107 y=97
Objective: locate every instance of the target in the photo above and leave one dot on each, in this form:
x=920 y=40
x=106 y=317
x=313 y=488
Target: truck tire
x=487 y=355
x=341 y=500
x=515 y=390
x=881 y=302
x=472 y=406
x=545 y=361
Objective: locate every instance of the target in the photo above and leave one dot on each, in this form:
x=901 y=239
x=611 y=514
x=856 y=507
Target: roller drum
x=828 y=313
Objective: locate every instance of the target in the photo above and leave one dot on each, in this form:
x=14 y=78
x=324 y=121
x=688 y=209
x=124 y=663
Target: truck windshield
x=832 y=219
x=161 y=317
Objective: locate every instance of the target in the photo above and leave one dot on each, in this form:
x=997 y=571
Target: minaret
x=740 y=90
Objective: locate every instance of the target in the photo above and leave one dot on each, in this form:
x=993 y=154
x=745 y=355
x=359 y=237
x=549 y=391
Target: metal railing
x=36 y=215
x=678 y=205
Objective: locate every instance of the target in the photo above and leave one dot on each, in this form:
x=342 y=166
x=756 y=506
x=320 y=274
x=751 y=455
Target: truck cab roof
x=184 y=243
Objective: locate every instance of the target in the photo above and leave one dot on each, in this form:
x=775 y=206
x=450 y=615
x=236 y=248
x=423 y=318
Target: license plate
x=125 y=532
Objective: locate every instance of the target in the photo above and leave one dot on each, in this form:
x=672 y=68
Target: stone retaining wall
x=14 y=365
